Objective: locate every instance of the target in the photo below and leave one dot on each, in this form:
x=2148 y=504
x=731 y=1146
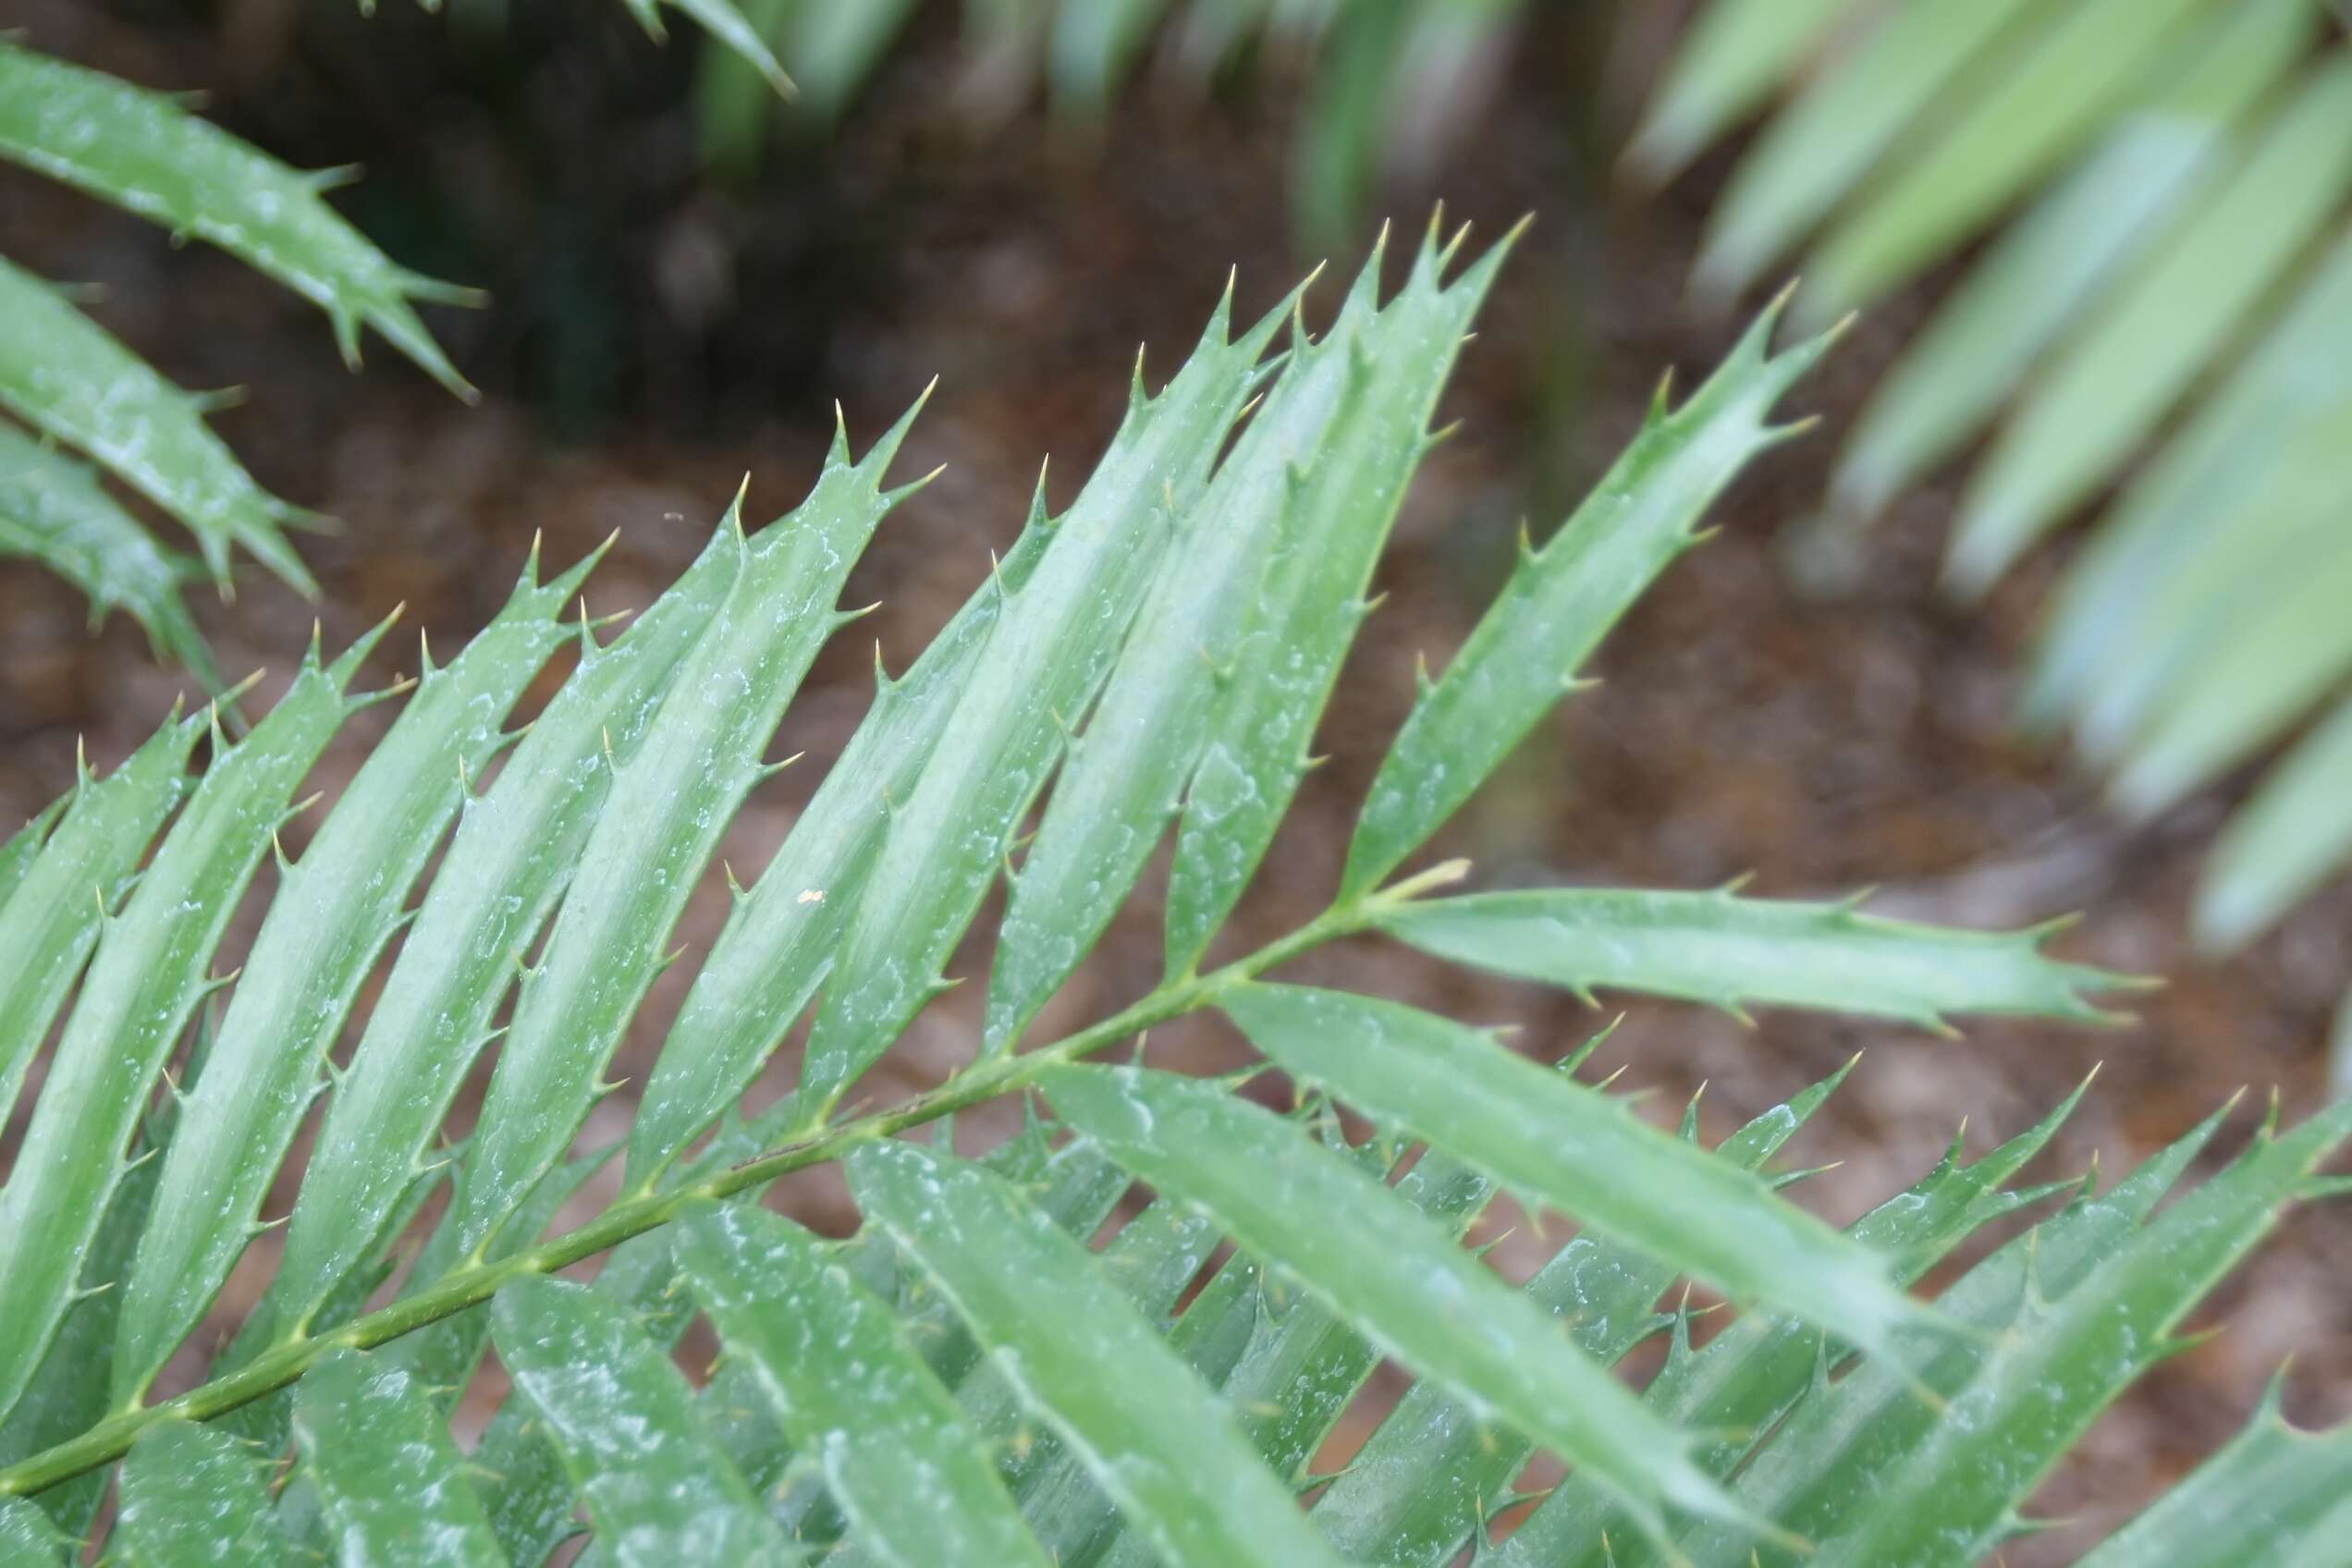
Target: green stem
x=473 y=1284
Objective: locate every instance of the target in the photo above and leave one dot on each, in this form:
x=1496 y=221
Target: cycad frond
x=970 y=1376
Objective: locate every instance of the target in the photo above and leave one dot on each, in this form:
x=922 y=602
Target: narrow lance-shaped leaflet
x=1562 y=599
x=1304 y=612
x=515 y=850
x=333 y=913
x=1052 y=643
x=143 y=985
x=669 y=802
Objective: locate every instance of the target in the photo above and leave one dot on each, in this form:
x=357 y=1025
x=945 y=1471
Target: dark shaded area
x=656 y=334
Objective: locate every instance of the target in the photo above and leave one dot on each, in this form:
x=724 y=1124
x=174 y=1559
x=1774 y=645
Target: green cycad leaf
x=1953 y=1498
x=142 y=152
x=24 y=847
x=1075 y=1186
x=1285 y=1361
x=1727 y=950
x=515 y=850
x=1571 y=1149
x=1310 y=601
x=69 y=1390
x=1747 y=1377
x=1562 y=599
x=77 y=874
x=443 y=1354
x=67 y=376
x=850 y=1390
x=193 y=1497
x=1737 y=53
x=2050 y=266
x=779 y=939
x=144 y=984
x=1838 y=131
x=1402 y=1281
x=2274 y=1496
x=332 y=914
x=1234 y=647
x=53 y=510
x=527 y=1496
x=1429 y=1477
x=1049 y=649
x=390 y=1482
x=2128 y=365
x=1841 y=1435
x=668 y=802
x=1152 y=1260
x=623 y=1418
x=2046 y=92
x=27 y=1538
x=1157 y=1440
x=267 y=1423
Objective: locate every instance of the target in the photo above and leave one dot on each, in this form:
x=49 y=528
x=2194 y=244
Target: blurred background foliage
x=2145 y=204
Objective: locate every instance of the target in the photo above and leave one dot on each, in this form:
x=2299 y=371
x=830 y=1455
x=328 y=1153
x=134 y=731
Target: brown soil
x=1741 y=725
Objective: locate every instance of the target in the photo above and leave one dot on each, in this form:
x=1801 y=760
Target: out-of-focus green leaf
x=2126 y=366
x=2045 y=94
x=2130 y=600
x=2268 y=644
x=143 y=152
x=723 y=21
x=2293 y=833
x=1837 y=132
x=2044 y=272
x=70 y=378
x=54 y=511
x=1737 y=53
x=1726 y=950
